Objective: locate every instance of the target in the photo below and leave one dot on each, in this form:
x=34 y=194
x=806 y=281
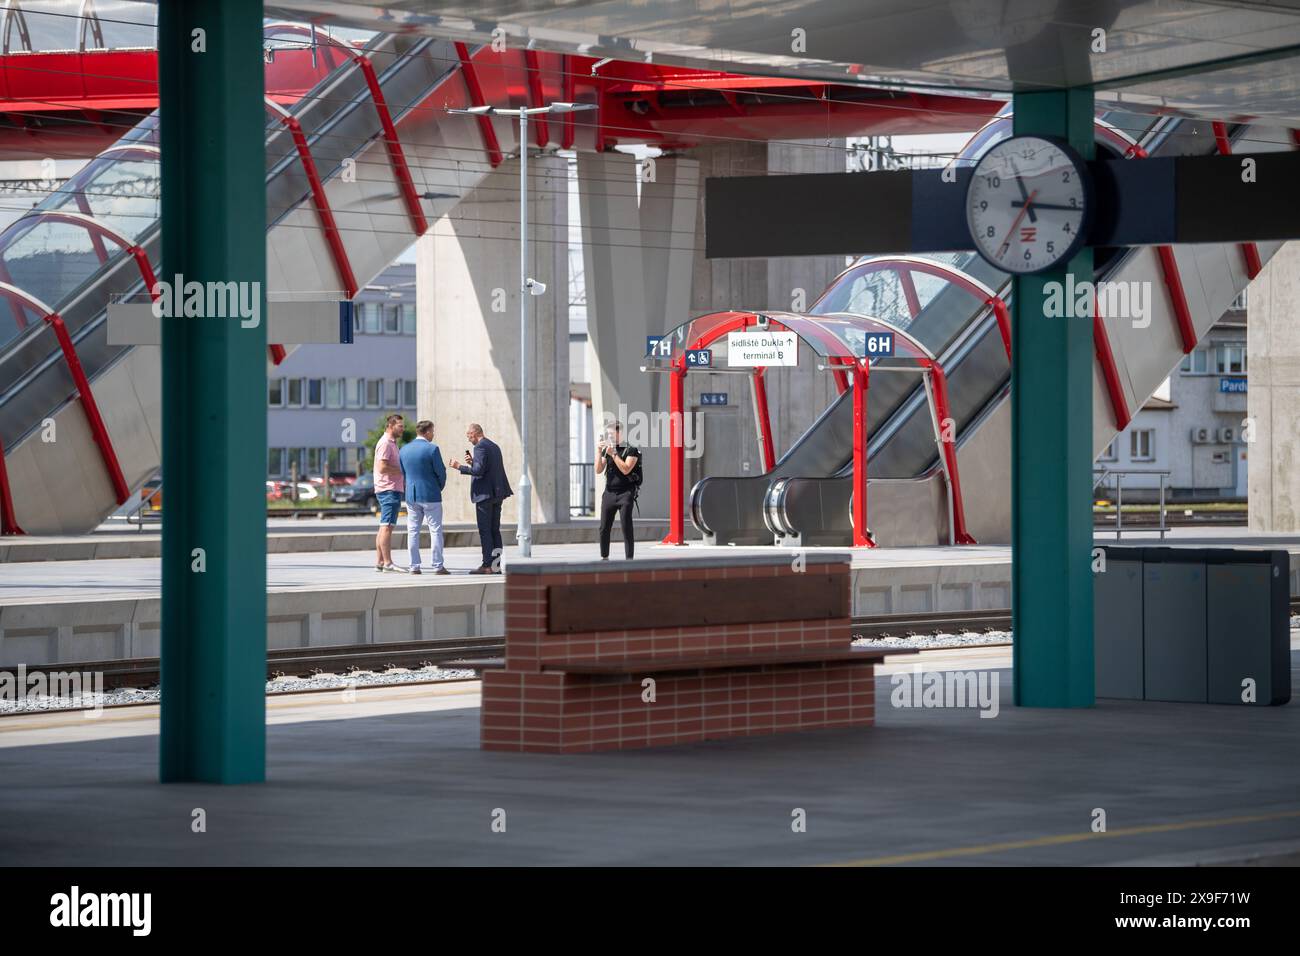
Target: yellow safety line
x=1065 y=838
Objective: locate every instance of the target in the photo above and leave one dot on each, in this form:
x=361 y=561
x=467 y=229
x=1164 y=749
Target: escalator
x=806 y=498
x=355 y=171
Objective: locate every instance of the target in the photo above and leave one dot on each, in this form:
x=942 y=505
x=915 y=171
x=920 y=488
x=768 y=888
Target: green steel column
x=214 y=394
x=1051 y=456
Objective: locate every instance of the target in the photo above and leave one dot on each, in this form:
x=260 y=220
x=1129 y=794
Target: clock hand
x=1044 y=205
x=1006 y=240
x=1024 y=193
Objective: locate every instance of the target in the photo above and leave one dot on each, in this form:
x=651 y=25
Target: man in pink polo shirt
x=389 y=485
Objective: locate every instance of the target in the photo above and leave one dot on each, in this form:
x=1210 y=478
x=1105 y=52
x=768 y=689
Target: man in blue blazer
x=488 y=489
x=425 y=477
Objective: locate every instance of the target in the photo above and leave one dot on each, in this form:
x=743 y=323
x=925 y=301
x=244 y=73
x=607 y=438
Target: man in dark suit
x=488 y=489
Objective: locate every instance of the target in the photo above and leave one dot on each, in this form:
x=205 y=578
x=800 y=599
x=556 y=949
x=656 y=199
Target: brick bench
x=609 y=655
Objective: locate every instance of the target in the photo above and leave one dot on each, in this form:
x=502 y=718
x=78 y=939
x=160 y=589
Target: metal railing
x=1102 y=475
x=582 y=488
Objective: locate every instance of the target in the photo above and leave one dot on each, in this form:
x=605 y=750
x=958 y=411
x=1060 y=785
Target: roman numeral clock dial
x=1029 y=204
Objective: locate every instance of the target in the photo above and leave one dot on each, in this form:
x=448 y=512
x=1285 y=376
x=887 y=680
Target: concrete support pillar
x=637 y=260
x=213 y=122
x=795 y=396
x=467 y=307
x=1273 y=399
x=1051 y=456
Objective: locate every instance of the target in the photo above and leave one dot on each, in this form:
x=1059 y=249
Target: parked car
x=360 y=492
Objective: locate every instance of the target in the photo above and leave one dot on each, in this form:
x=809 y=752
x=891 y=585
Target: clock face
x=1028 y=204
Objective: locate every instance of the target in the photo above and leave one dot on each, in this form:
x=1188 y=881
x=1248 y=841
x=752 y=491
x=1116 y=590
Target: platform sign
x=713 y=398
x=878 y=345
x=699 y=358
x=753 y=349
x=658 y=346
x=1232 y=386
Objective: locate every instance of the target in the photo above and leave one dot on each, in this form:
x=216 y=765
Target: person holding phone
x=621 y=466
x=488 y=489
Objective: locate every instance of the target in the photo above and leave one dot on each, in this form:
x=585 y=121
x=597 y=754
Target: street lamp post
x=528 y=287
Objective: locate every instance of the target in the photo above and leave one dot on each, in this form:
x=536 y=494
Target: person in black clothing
x=618 y=463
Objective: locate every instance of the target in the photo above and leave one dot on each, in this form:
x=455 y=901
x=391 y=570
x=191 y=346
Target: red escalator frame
x=860 y=370
x=98 y=430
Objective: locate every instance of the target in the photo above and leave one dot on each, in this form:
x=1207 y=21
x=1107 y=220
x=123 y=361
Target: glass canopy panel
x=834 y=336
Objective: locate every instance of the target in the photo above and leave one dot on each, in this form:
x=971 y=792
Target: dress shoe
x=442 y=571
x=481 y=571
x=416 y=571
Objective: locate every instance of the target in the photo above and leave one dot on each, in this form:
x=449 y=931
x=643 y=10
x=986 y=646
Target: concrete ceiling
x=1225 y=59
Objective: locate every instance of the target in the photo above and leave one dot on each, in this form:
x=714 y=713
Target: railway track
x=344 y=659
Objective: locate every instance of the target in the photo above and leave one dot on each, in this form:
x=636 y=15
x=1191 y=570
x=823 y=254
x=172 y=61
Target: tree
x=373 y=436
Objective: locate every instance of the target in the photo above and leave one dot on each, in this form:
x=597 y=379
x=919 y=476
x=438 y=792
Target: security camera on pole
x=527 y=287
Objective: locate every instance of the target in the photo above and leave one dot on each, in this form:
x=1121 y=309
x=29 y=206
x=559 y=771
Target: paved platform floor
x=402 y=781
x=37 y=582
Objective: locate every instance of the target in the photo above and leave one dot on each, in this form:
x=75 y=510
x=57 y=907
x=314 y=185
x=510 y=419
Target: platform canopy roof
x=1234 y=60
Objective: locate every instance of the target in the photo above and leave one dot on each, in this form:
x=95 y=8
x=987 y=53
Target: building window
x=1196 y=362
x=373 y=394
x=275 y=392
x=339 y=459
x=1230 y=359
x=390 y=392
x=408 y=388
x=1112 y=452
x=392 y=318
x=371 y=311
x=274 y=462
x=355 y=391
x=1142 y=445
x=313 y=461
x=295 y=393
x=334 y=392
x=408 y=318
x=315 y=393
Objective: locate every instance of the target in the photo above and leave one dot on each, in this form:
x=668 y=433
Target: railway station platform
x=64 y=612
x=397 y=777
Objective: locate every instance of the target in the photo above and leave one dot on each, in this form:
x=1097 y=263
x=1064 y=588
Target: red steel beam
x=396 y=156
x=8 y=520
x=537 y=98
x=490 y=144
x=98 y=431
x=676 y=454
x=570 y=84
x=1004 y=321
x=861 y=535
x=948 y=441
x=1249 y=251
x=764 y=419
x=1169 y=269
x=1177 y=297
x=1109 y=371
x=320 y=201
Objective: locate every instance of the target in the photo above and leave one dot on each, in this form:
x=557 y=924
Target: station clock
x=1029 y=204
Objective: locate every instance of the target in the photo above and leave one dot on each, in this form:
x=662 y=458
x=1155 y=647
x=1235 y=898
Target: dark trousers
x=620 y=502
x=488 y=514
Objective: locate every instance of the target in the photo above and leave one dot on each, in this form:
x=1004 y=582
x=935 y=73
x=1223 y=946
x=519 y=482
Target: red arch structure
x=829 y=335
x=98 y=431
x=906 y=266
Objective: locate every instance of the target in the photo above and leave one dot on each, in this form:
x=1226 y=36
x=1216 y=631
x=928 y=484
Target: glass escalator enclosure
x=49 y=258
